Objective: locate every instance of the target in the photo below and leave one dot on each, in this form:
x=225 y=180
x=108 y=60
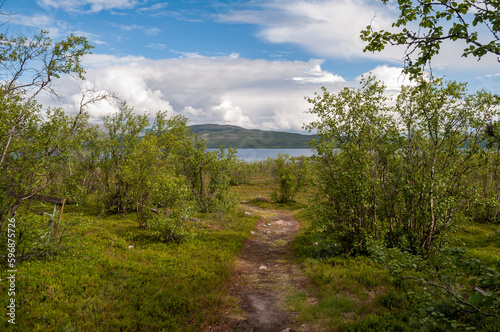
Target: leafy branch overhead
x=477 y=23
x=40 y=59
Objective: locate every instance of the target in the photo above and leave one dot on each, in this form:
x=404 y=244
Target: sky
x=248 y=63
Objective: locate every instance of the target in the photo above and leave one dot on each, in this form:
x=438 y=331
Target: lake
x=251 y=155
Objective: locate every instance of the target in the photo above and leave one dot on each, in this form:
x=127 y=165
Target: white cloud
x=154 y=8
x=150 y=31
x=91 y=6
x=490 y=82
x=128 y=27
x=316 y=75
x=225 y=89
x=231 y=114
x=324 y=28
x=55 y=27
x=191 y=112
x=157 y=46
x=331 y=29
x=393 y=77
x=38 y=20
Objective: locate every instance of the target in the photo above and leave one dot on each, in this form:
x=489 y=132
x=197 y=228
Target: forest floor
x=267 y=278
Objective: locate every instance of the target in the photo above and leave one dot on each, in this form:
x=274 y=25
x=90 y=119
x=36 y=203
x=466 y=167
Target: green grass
x=113 y=276
x=348 y=289
x=357 y=294
x=482 y=241
x=259 y=192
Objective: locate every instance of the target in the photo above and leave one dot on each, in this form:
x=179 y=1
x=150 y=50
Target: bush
x=291 y=174
x=452 y=290
x=398 y=173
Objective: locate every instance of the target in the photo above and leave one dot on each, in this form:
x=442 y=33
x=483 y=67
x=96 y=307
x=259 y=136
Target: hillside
x=232 y=136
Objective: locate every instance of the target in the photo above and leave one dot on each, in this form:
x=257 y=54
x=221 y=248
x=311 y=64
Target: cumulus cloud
x=231 y=114
x=226 y=89
x=393 y=77
x=316 y=75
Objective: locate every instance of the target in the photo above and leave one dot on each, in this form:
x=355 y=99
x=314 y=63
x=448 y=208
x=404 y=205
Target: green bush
x=291 y=174
x=403 y=174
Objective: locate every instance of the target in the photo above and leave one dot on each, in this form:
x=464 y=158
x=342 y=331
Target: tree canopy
x=477 y=22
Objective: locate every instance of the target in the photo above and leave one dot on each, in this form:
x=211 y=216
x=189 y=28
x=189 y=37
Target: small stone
x=252 y=232
x=262 y=267
x=248 y=213
x=130 y=247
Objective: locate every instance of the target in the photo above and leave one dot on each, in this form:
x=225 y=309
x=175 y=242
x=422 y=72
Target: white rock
x=262 y=267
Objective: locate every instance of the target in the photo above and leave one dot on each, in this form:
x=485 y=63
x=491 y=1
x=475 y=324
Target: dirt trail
x=266 y=277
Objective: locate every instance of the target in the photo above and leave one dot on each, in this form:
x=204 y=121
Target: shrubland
x=401 y=226
x=399 y=183
x=149 y=220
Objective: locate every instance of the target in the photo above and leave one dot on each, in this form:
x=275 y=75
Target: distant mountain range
x=236 y=137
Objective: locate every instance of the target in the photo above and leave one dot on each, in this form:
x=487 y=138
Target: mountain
x=236 y=137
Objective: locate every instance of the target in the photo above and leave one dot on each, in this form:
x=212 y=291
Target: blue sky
x=247 y=63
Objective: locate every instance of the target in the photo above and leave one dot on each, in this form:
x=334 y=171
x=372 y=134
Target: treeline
x=156 y=168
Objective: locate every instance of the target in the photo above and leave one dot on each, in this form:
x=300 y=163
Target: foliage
x=477 y=23
x=36 y=144
x=396 y=172
x=241 y=172
x=484 y=205
x=291 y=174
x=36 y=237
x=40 y=60
x=453 y=290
x=353 y=130
x=115 y=145
x=209 y=175
x=402 y=298
x=154 y=186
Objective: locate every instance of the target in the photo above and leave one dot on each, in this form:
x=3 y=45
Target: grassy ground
x=357 y=294
x=113 y=276
x=482 y=242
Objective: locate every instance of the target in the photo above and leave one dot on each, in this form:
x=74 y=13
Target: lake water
x=251 y=155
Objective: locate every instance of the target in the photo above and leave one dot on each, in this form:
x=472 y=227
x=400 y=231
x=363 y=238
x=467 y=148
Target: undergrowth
x=359 y=293
x=110 y=275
